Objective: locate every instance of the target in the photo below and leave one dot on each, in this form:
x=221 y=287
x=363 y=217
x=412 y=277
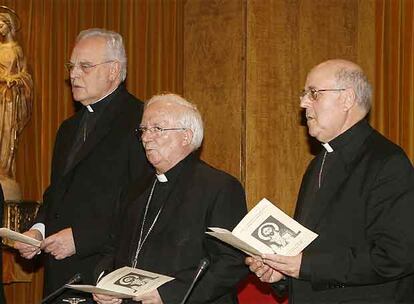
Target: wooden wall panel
x=214 y=77
x=275 y=140
x=251 y=110
x=284 y=40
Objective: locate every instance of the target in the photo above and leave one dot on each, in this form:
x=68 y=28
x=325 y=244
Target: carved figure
x=15 y=99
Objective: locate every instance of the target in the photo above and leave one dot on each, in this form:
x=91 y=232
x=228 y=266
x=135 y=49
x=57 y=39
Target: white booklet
x=125 y=282
x=266 y=229
x=16 y=236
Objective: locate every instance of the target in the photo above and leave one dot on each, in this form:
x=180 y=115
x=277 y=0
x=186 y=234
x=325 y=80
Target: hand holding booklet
x=125 y=282
x=266 y=229
x=16 y=236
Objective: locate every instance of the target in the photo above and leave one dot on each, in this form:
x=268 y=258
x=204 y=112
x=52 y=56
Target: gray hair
x=188 y=118
x=356 y=80
x=114 y=43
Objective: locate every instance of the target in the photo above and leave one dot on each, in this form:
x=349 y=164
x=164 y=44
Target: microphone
x=75 y=279
x=201 y=268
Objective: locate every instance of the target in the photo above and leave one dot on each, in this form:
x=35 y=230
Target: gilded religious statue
x=15 y=100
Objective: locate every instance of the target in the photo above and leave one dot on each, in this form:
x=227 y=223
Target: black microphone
x=75 y=279
x=201 y=268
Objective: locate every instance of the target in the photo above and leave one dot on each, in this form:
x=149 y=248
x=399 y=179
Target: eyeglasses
x=85 y=67
x=156 y=131
x=313 y=93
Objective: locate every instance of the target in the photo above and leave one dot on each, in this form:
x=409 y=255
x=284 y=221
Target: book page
x=97 y=290
x=126 y=282
x=16 y=236
x=227 y=237
x=267 y=227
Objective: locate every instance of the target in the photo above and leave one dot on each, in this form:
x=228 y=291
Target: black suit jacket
x=2 y=299
x=363 y=214
x=85 y=196
x=201 y=197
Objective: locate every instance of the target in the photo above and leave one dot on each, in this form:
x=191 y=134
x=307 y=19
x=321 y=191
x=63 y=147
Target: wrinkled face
x=92 y=83
x=4 y=28
x=163 y=149
x=325 y=116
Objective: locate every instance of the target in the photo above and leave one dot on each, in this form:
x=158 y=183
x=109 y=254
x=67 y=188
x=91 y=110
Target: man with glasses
x=96 y=155
x=357 y=195
x=163 y=228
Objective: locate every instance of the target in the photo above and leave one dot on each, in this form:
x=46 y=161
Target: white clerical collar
x=162 y=178
x=327 y=147
x=90 y=109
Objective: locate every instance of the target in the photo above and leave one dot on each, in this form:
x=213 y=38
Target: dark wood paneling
x=285 y=39
x=214 y=77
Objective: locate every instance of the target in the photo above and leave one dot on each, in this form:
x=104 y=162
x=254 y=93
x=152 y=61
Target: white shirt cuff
x=40 y=227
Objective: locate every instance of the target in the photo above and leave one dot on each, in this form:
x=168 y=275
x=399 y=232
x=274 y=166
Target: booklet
x=266 y=229
x=16 y=236
x=125 y=282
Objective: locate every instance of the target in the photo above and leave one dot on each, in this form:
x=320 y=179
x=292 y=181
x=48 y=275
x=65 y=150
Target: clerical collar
x=97 y=104
x=346 y=137
x=327 y=147
x=174 y=172
x=162 y=178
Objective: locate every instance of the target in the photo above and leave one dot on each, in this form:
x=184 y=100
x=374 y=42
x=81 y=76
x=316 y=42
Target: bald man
x=357 y=194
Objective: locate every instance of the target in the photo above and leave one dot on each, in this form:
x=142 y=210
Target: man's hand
x=29 y=251
x=264 y=272
x=61 y=244
x=103 y=299
x=288 y=265
x=152 y=297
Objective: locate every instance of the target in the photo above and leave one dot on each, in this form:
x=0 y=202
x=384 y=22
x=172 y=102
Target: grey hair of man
x=189 y=117
x=115 y=46
x=358 y=81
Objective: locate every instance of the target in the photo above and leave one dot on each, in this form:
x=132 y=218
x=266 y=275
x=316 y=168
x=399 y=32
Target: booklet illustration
x=16 y=236
x=125 y=282
x=266 y=229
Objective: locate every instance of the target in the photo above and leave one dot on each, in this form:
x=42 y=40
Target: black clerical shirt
x=90 y=116
x=321 y=173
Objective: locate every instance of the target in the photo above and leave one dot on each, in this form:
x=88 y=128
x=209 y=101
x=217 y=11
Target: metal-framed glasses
x=156 y=131
x=313 y=94
x=85 y=67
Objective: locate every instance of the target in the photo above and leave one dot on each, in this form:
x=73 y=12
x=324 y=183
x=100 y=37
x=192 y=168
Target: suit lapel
x=174 y=197
x=171 y=203
x=325 y=196
x=68 y=141
x=306 y=183
x=349 y=147
x=137 y=201
x=102 y=127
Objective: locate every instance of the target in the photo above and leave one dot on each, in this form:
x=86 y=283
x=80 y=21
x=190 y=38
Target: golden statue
x=15 y=100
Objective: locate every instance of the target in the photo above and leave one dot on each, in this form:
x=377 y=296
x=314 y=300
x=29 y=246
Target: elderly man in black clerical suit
x=96 y=155
x=163 y=227
x=357 y=194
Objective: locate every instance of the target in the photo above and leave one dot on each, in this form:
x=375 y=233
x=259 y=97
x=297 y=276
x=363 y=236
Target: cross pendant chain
x=85 y=128
x=320 y=171
x=142 y=237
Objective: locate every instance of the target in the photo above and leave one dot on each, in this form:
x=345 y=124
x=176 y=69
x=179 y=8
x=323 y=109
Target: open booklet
x=16 y=236
x=125 y=282
x=266 y=229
